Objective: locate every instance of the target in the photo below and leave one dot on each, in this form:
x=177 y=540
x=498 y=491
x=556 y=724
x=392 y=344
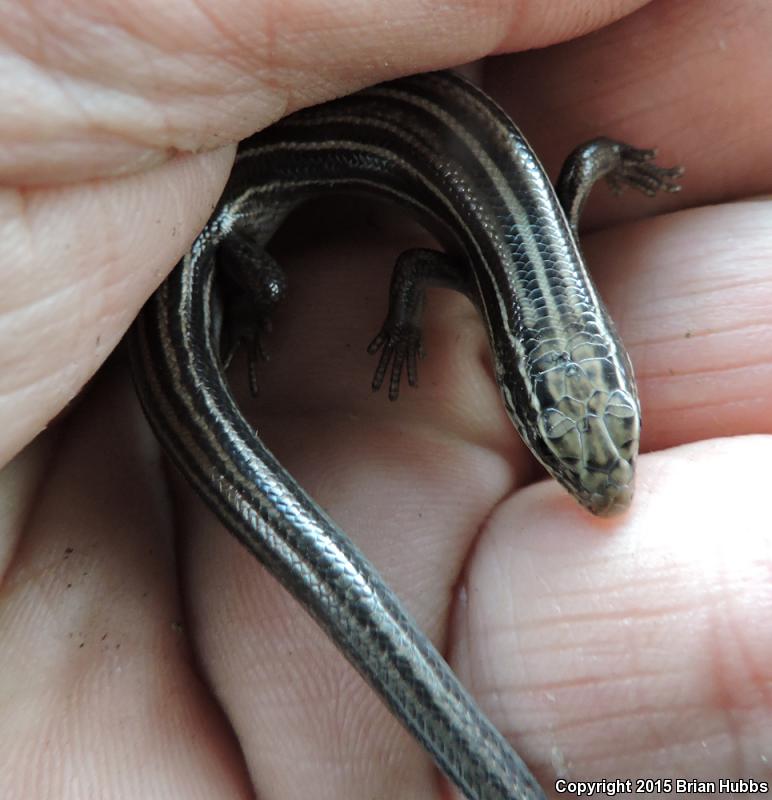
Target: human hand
x=601 y=649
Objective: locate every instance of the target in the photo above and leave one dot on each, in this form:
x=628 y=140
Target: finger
x=79 y=262
x=636 y=647
x=109 y=89
x=692 y=297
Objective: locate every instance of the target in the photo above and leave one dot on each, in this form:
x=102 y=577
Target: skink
x=438 y=146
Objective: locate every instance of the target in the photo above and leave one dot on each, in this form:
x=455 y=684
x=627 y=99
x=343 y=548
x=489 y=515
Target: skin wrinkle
x=689 y=333
x=725 y=627
x=17 y=507
x=704 y=406
x=587 y=721
x=96 y=122
x=685 y=374
x=568 y=620
x=236 y=54
x=718 y=288
x=720 y=689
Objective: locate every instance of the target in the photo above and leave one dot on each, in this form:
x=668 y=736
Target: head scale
x=579 y=414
